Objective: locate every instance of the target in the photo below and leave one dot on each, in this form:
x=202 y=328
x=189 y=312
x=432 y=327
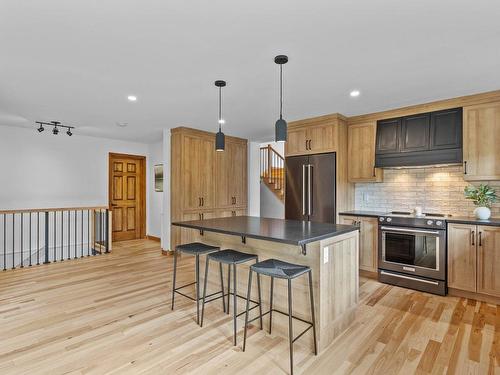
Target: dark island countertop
x=292 y=232
x=363 y=213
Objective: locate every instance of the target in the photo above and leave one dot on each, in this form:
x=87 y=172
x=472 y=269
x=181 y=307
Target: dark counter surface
x=494 y=221
x=277 y=230
x=363 y=213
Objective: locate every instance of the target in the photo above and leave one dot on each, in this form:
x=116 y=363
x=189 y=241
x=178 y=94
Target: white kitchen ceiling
x=77 y=61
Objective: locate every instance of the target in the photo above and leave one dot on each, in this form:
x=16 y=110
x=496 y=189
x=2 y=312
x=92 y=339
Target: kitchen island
x=330 y=250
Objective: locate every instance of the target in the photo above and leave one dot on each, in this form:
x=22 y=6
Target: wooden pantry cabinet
x=313 y=136
x=361 y=153
x=205 y=183
x=474 y=258
x=481 y=139
x=368 y=240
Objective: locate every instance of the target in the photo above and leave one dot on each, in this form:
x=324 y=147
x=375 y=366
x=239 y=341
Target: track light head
x=69 y=132
x=55 y=131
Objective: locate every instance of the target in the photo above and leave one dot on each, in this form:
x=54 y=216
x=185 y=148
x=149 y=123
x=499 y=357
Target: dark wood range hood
x=433 y=138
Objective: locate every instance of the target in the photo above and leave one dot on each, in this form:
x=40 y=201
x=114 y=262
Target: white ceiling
x=77 y=61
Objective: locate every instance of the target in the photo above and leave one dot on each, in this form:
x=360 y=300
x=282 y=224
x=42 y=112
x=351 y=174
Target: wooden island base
x=334 y=264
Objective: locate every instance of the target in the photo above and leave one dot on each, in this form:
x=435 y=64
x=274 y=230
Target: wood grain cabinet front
x=361 y=153
x=368 y=240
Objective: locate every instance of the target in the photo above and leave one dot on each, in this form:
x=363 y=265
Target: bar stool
x=288 y=271
x=196 y=249
x=231 y=258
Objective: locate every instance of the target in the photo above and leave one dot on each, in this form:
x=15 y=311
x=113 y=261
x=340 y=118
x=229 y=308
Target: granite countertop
x=363 y=213
x=494 y=221
x=292 y=232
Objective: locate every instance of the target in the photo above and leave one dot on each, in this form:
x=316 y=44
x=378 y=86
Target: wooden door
x=127 y=196
x=415 y=132
x=231 y=175
x=198 y=172
x=361 y=149
x=238 y=176
x=297 y=142
x=488 y=246
x=481 y=140
x=388 y=136
x=462 y=257
x=446 y=129
x=321 y=138
x=368 y=244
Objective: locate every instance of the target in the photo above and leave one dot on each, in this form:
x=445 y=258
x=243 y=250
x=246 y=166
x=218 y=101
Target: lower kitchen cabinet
x=368 y=240
x=474 y=258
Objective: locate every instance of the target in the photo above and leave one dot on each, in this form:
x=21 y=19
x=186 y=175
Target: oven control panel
x=412 y=221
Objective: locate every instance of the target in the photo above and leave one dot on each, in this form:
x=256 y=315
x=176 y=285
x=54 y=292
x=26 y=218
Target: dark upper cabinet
x=446 y=129
x=421 y=139
x=415 y=132
x=388 y=136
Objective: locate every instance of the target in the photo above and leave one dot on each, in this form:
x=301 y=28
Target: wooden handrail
x=271 y=149
x=55 y=209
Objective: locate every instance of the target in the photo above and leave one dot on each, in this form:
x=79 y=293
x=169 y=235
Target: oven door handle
x=406 y=230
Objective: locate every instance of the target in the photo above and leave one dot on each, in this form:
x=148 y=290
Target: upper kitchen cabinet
x=313 y=136
x=420 y=139
x=361 y=153
x=231 y=174
x=481 y=137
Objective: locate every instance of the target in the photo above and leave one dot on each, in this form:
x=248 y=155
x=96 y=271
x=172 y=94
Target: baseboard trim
x=153 y=238
x=471 y=295
x=368 y=274
x=167 y=253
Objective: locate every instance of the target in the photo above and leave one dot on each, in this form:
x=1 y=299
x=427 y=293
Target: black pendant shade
x=281 y=126
x=220 y=139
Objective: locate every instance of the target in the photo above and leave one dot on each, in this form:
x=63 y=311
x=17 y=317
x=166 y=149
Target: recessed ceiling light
x=132 y=98
x=354 y=93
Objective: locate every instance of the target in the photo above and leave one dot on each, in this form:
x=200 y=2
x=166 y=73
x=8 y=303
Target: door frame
x=142 y=182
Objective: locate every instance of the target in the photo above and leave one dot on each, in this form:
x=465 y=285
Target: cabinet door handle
x=480 y=238
x=306 y=145
x=199 y=216
x=309 y=145
x=202 y=201
x=374 y=173
x=473 y=235
x=465 y=167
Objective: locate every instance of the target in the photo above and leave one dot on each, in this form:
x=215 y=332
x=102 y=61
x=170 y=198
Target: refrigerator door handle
x=303 y=189
x=309 y=188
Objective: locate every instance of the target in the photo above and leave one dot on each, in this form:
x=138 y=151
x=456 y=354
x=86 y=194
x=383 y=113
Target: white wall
x=270 y=205
x=165 y=238
x=40 y=170
x=155 y=201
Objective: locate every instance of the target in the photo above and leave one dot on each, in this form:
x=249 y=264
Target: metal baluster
x=55 y=237
x=13 y=240
x=93 y=232
x=30 y=240
x=100 y=231
x=88 y=233
x=46 y=238
x=69 y=234
x=76 y=246
x=107 y=230
x=22 y=239
x=38 y=238
x=81 y=245
x=4 y=242
x=62 y=236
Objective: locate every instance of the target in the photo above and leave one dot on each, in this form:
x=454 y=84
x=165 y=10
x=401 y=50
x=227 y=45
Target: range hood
x=422 y=139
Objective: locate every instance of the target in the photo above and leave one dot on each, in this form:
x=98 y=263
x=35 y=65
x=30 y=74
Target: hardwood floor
x=111 y=315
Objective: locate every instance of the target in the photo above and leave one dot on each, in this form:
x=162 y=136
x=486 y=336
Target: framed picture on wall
x=158 y=169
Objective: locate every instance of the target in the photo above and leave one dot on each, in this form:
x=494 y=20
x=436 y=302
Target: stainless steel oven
x=413 y=256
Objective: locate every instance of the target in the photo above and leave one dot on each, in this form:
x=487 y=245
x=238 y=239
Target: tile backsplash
x=438 y=189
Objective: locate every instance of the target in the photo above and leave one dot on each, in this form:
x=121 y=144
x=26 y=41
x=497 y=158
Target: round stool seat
x=230 y=256
x=278 y=268
x=196 y=248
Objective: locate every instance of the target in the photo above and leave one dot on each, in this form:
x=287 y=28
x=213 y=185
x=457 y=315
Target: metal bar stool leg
x=204 y=291
x=290 y=326
x=260 y=297
x=312 y=313
x=221 y=288
x=271 y=305
x=247 y=308
x=228 y=287
x=197 y=270
x=235 y=302
x=173 y=282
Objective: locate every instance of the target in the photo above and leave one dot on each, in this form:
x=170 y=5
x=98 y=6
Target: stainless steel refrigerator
x=310 y=188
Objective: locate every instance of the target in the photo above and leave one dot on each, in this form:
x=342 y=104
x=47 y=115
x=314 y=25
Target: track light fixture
x=56 y=125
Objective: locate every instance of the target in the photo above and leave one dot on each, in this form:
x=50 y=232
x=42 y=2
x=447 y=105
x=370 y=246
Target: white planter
x=482 y=213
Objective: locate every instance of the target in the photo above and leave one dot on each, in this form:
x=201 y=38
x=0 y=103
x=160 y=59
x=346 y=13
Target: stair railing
x=272 y=167
x=31 y=237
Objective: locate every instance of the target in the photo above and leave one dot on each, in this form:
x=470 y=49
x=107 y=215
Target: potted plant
x=483 y=197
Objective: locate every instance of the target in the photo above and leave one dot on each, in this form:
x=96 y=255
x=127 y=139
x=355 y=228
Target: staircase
x=272 y=171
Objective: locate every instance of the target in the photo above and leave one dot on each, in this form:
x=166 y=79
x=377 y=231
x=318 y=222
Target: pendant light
x=219 y=137
x=281 y=125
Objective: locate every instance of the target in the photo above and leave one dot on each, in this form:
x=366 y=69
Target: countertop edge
x=349 y=229
x=362 y=213
x=465 y=220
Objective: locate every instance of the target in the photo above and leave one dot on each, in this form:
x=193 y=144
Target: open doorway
x=127 y=196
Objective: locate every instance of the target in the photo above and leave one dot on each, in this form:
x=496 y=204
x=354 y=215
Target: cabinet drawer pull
x=465 y=167
x=480 y=238
x=473 y=235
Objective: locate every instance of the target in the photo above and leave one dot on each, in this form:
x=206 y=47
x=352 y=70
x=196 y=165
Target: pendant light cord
x=220 y=107
x=281 y=91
